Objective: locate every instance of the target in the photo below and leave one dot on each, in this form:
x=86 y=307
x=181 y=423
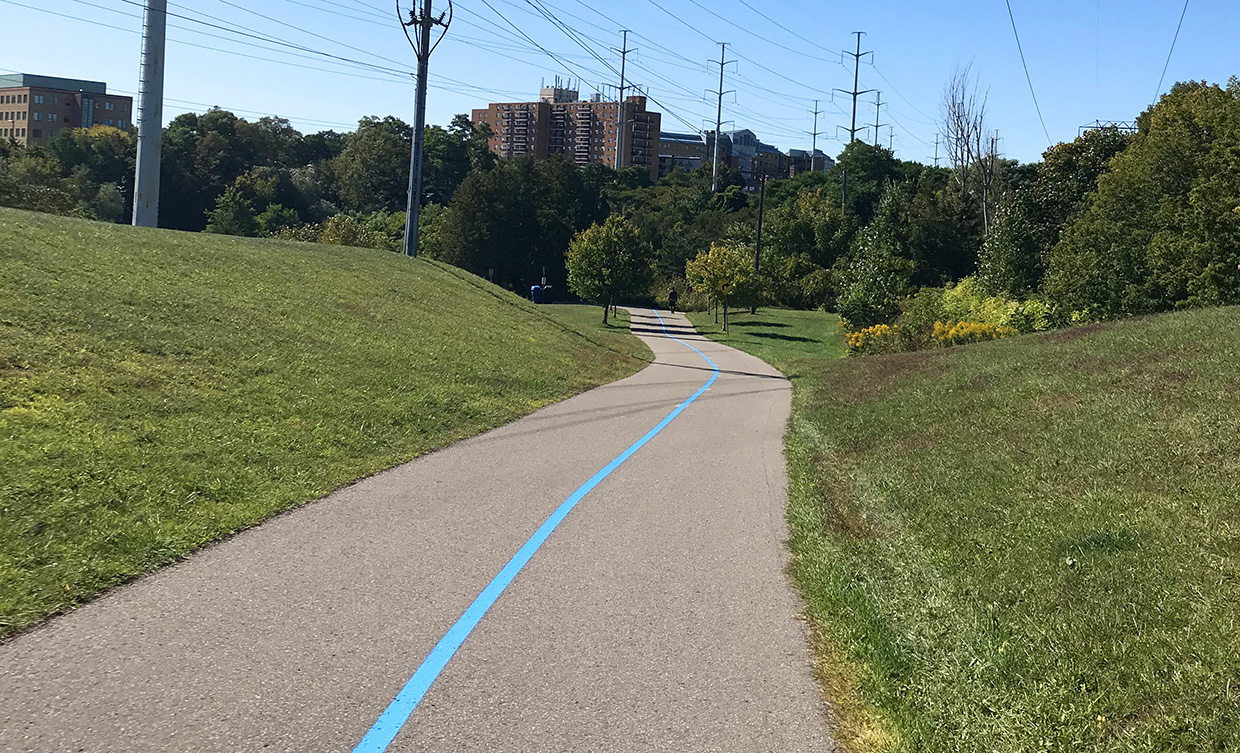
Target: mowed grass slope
x=159 y=390
x=1026 y=545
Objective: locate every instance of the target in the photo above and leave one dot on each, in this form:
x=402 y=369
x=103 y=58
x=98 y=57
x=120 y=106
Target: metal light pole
x=150 y=115
x=423 y=49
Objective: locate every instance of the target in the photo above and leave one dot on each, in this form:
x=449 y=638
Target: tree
x=722 y=272
x=878 y=272
x=1159 y=232
x=971 y=146
x=1009 y=262
x=609 y=262
x=233 y=215
x=373 y=169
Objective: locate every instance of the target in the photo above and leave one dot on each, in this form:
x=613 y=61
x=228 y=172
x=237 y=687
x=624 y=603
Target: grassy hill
x=1026 y=545
x=159 y=390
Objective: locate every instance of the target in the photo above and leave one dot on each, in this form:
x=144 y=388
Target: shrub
x=947 y=334
x=876 y=340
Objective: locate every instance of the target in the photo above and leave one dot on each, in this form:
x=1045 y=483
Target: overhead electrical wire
x=1029 y=78
x=1170 y=52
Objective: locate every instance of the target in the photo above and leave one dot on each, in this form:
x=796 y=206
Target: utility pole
x=423 y=49
x=936 y=150
x=852 y=130
x=813 y=154
x=891 y=139
x=757 y=254
x=723 y=61
x=878 y=109
x=150 y=115
x=624 y=57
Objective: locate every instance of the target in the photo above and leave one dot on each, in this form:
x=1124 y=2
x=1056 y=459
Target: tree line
x=1110 y=224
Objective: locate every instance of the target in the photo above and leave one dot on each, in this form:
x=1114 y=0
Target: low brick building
x=34 y=108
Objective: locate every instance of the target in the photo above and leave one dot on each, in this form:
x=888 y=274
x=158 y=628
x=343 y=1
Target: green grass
x=159 y=390
x=781 y=337
x=1026 y=545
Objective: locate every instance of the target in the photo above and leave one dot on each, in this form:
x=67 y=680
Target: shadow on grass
x=759 y=324
x=789 y=338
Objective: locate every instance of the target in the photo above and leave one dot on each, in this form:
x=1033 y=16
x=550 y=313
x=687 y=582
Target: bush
x=876 y=340
x=947 y=334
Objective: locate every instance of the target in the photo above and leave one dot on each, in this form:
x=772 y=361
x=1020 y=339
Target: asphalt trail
x=655 y=617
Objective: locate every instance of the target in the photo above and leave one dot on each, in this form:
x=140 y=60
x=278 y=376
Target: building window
x=51 y=132
x=36 y=133
x=55 y=100
x=109 y=121
x=51 y=116
x=38 y=116
x=38 y=99
x=121 y=124
x=109 y=106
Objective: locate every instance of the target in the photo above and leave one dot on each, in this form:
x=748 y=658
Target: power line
x=1171 y=51
x=755 y=34
x=1029 y=79
x=793 y=32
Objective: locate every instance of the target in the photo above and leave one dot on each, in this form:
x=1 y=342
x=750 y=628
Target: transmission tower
x=723 y=62
x=856 y=56
x=878 y=109
x=621 y=152
x=813 y=154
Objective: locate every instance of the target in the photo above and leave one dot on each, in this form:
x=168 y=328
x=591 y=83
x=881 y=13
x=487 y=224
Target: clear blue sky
x=1089 y=59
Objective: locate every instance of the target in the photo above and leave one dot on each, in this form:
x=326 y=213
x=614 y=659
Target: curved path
x=655 y=617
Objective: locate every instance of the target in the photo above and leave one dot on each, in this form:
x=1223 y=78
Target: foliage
x=233 y=215
x=964 y=333
x=513 y=221
x=723 y=273
x=1009 y=262
x=161 y=390
x=1159 y=232
x=609 y=262
x=373 y=168
x=878 y=274
x=875 y=340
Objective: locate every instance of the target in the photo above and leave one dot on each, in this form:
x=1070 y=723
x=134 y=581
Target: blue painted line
x=402 y=707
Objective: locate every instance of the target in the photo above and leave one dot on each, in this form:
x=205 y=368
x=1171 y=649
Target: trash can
x=536 y=293
x=547 y=296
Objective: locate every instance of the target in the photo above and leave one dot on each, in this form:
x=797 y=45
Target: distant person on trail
x=671 y=301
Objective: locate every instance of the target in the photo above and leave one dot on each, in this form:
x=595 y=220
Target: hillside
x=1031 y=544
x=159 y=390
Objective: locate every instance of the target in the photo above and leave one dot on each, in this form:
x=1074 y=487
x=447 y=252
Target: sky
x=323 y=64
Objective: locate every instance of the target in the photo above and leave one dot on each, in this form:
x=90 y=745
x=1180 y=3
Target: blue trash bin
x=536 y=293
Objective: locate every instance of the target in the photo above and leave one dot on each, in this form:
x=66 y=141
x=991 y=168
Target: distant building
x=34 y=108
x=769 y=162
x=684 y=150
x=560 y=123
x=802 y=161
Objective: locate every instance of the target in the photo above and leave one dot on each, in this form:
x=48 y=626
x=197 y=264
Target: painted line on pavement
x=390 y=722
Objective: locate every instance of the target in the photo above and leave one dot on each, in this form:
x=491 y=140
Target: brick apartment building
x=560 y=123
x=34 y=108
